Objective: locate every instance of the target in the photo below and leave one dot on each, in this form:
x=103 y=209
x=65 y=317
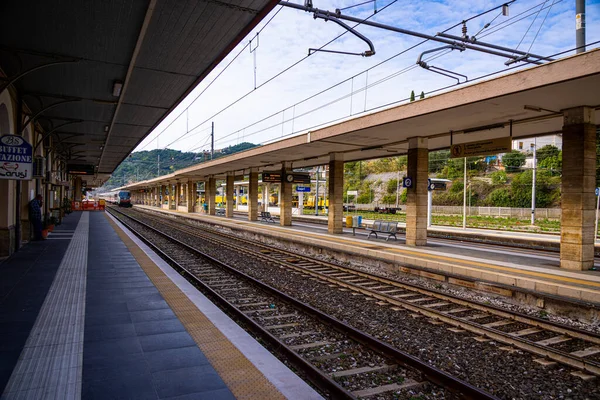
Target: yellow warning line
x=241 y=376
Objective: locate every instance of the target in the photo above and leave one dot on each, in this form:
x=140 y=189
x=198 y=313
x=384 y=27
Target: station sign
x=435 y=185
x=407 y=182
x=352 y=193
x=481 y=148
x=303 y=189
x=16 y=158
x=291 y=177
x=271 y=177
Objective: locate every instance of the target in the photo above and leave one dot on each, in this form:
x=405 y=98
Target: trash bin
x=349 y=221
x=359 y=220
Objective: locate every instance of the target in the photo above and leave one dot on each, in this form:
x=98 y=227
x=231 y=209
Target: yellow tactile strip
x=241 y=376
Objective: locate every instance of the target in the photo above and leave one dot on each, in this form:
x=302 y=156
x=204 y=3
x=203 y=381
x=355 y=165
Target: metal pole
x=533 y=183
x=429 y=202
x=158 y=166
x=397 y=186
x=317 y=194
x=465 y=197
x=580 y=26
x=212 y=140
x=597 y=206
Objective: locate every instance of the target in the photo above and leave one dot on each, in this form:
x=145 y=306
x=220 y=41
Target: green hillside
x=144 y=165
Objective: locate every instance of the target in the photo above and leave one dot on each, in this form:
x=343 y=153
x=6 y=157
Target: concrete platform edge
x=288 y=383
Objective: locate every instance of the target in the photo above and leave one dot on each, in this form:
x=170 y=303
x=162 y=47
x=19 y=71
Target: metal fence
x=550 y=213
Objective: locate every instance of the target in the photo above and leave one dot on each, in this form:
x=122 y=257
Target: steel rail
x=318 y=378
x=433 y=374
x=544 y=351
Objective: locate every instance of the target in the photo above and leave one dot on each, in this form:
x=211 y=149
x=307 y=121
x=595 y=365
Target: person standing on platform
x=35 y=214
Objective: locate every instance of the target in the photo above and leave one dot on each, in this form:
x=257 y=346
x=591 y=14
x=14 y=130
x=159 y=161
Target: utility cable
x=211 y=82
x=366 y=70
x=530 y=25
x=431 y=92
x=380 y=81
x=540 y=28
x=278 y=74
x=506 y=24
x=356 y=5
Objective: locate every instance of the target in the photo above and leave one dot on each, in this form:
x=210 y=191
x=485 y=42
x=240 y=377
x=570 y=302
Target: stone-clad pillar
x=211 y=192
x=157 y=197
x=416 y=199
x=191 y=196
x=229 y=195
x=285 y=206
x=577 y=193
x=336 y=193
x=253 y=196
x=177 y=195
x=170 y=195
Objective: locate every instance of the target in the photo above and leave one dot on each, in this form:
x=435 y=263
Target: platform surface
x=93 y=313
x=525 y=269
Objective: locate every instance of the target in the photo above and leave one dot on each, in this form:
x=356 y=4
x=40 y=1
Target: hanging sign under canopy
x=16 y=158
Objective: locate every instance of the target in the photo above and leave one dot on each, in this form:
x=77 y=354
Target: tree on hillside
x=513 y=160
x=546 y=152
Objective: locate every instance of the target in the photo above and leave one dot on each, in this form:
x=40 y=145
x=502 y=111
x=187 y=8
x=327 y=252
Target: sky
x=247 y=105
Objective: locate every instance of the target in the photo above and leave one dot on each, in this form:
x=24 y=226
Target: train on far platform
x=125 y=198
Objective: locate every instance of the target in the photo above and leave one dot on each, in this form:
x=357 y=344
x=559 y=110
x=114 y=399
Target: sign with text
x=271 y=177
x=303 y=189
x=301 y=177
x=16 y=158
x=352 y=193
x=481 y=148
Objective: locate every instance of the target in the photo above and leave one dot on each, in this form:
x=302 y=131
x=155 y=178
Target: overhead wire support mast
x=460 y=42
x=328 y=17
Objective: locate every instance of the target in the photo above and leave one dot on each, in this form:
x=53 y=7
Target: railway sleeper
x=363 y=370
x=408 y=384
x=590 y=351
x=308 y=345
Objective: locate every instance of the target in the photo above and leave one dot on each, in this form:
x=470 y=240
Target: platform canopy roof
x=108 y=72
x=527 y=103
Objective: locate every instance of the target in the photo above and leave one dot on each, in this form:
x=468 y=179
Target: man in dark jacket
x=35 y=215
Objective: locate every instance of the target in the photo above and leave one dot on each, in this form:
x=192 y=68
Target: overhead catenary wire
x=512 y=20
x=540 y=28
x=211 y=82
x=426 y=93
x=530 y=25
x=366 y=71
x=220 y=140
x=373 y=84
x=278 y=74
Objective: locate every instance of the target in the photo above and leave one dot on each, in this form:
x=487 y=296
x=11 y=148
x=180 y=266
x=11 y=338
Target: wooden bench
x=389 y=228
x=265 y=216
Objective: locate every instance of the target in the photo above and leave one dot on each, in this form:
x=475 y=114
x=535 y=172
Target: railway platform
x=504 y=270
x=93 y=313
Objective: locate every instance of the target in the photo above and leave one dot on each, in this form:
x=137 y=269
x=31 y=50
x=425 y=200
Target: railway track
x=551 y=342
x=342 y=361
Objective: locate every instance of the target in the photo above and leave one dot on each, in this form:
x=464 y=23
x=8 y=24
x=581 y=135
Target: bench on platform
x=265 y=216
x=220 y=211
x=389 y=228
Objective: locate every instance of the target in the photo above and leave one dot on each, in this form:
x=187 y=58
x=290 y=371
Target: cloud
x=291 y=33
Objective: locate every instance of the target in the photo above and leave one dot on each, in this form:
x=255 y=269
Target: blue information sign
x=597 y=191
x=16 y=158
x=304 y=189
